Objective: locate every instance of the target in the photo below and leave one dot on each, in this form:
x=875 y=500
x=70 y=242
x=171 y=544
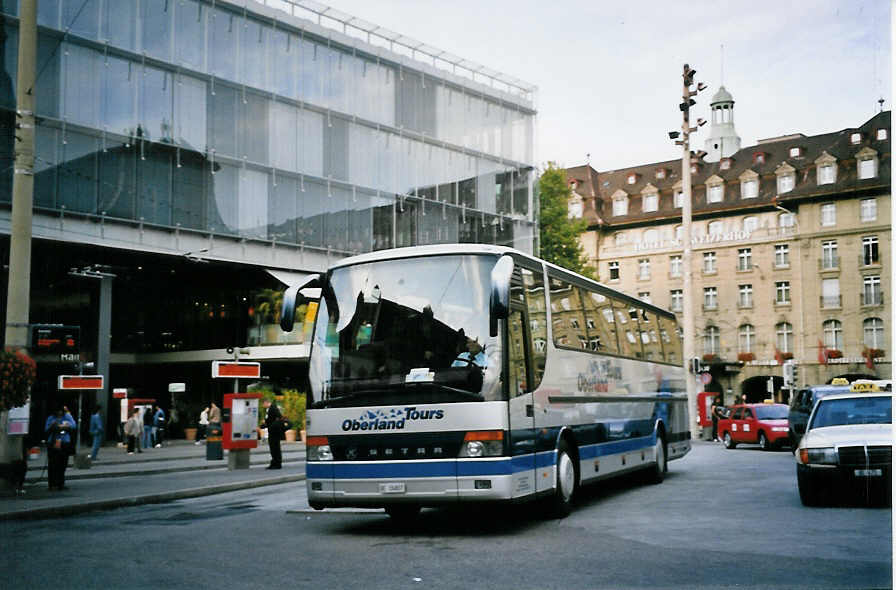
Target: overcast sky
x=609 y=73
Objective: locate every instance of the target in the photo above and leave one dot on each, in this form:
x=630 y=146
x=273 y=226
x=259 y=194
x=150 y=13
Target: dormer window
x=855 y=138
x=881 y=134
x=867 y=163
x=632 y=178
x=759 y=158
x=796 y=152
x=660 y=173
x=620 y=203
x=826 y=171
x=786 y=178
x=715 y=189
x=725 y=164
x=650 y=198
x=678 y=198
x=573 y=185
x=693 y=169
x=575 y=208
x=749 y=185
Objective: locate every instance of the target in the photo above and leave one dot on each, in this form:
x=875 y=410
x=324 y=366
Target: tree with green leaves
x=559 y=234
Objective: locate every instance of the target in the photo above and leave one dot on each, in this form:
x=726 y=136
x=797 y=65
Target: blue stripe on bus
x=615 y=447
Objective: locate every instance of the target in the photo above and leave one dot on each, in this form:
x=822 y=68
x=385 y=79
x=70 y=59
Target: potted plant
x=17 y=374
x=709 y=357
x=746 y=357
x=293 y=408
x=873 y=353
x=833 y=353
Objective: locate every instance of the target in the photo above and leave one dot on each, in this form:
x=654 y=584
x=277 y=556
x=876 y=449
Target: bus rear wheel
x=560 y=503
x=658 y=472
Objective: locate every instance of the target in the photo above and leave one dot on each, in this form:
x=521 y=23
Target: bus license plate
x=392 y=488
x=869 y=472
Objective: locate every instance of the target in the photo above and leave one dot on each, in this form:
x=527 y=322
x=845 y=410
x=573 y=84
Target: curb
x=73 y=509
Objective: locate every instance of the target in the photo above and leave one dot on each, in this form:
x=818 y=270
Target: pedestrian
x=60 y=431
x=716 y=411
x=132 y=430
x=97 y=429
x=203 y=426
x=214 y=415
x=147 y=427
x=273 y=421
x=158 y=426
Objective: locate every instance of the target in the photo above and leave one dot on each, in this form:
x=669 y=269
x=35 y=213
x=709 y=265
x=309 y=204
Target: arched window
x=711 y=340
x=651 y=236
x=786 y=220
x=679 y=232
x=833 y=334
x=746 y=338
x=751 y=224
x=716 y=228
x=784 y=336
x=874 y=332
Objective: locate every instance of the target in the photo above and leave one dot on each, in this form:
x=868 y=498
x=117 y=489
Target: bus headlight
x=318 y=449
x=488 y=443
x=822 y=456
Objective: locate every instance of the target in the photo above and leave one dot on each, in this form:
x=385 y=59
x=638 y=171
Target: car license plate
x=869 y=472
x=395 y=487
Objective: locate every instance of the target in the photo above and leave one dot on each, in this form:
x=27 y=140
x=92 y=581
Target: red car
x=765 y=424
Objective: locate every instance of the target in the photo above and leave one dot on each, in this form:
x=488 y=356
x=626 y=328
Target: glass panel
x=48 y=13
x=12 y=7
x=156 y=120
x=251 y=129
x=190 y=113
x=222 y=200
x=188 y=190
x=283 y=209
x=313 y=64
x=82 y=17
x=10 y=46
x=77 y=173
x=336 y=149
x=567 y=315
x=311 y=146
x=336 y=222
x=253 y=47
x=45 y=166
x=310 y=212
x=362 y=156
x=48 y=82
x=157 y=24
x=222 y=113
x=117 y=176
x=81 y=92
x=154 y=169
x=223 y=28
x=119 y=101
x=285 y=49
x=252 y=213
x=599 y=323
x=189 y=34
x=119 y=23
x=283 y=136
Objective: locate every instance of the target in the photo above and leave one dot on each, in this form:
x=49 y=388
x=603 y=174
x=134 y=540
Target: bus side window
x=516 y=334
x=600 y=333
x=533 y=285
x=566 y=315
x=653 y=350
x=669 y=338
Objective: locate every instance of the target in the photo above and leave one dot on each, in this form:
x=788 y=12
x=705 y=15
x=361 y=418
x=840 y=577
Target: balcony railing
x=872 y=298
x=710 y=306
x=829 y=263
x=866 y=260
x=831 y=300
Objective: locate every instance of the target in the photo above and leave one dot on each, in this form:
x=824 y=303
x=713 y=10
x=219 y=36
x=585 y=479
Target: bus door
x=519 y=390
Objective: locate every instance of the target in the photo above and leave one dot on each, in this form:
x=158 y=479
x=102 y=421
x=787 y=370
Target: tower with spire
x=723 y=139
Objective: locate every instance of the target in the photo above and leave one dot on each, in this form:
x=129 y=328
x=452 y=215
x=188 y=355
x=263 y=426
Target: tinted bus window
x=670 y=341
x=600 y=332
x=533 y=285
x=566 y=315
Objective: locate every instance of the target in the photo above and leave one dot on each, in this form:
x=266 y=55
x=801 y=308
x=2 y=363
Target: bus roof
x=487 y=249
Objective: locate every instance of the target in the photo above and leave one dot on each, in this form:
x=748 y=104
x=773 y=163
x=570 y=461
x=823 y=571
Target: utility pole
x=689 y=354
x=19 y=282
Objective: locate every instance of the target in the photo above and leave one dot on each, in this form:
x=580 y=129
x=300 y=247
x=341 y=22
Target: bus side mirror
x=499 y=301
x=292 y=298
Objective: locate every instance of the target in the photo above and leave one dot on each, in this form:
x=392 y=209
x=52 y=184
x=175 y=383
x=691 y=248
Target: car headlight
x=317 y=448
x=779 y=429
x=821 y=456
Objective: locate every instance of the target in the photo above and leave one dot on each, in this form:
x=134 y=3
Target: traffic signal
x=794 y=374
x=791 y=373
x=688 y=75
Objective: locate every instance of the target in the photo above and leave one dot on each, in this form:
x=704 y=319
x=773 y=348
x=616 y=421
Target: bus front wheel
x=565 y=486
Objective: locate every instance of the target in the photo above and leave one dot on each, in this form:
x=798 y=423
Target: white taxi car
x=847 y=447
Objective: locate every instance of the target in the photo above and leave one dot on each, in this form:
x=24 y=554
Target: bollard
x=213 y=450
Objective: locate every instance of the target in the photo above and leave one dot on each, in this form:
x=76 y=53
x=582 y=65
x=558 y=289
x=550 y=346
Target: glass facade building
x=252 y=123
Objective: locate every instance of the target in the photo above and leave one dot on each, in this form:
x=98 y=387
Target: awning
x=288 y=277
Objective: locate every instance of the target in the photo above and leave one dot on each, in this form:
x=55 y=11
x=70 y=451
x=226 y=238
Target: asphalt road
x=721 y=519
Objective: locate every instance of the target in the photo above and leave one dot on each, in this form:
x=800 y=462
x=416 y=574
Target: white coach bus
x=476 y=373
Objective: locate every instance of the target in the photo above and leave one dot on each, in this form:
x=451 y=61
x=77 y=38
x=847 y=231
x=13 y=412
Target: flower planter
x=291 y=435
x=190 y=433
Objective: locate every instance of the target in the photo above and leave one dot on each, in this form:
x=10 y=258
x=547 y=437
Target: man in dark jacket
x=273 y=421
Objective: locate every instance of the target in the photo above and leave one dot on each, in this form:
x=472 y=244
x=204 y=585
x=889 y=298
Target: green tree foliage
x=559 y=235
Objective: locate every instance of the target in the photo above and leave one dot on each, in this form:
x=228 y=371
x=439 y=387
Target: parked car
x=765 y=424
x=848 y=445
x=801 y=406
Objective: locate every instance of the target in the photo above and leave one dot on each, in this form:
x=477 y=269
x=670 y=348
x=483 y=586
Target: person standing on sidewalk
x=59 y=430
x=273 y=421
x=203 y=426
x=97 y=429
x=214 y=415
x=147 y=428
x=158 y=426
x=132 y=430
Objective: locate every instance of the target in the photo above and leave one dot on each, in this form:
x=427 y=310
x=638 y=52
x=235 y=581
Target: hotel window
x=867 y=168
x=575 y=209
x=614 y=271
x=759 y=158
x=660 y=173
x=786 y=183
x=829 y=258
x=782 y=292
x=715 y=228
x=829 y=214
x=749 y=189
x=711 y=340
x=619 y=238
x=751 y=224
x=782 y=255
x=827 y=174
x=675 y=266
x=710 y=298
x=620 y=206
x=709 y=262
x=871 y=293
x=632 y=178
x=644 y=296
x=874 y=332
x=855 y=138
x=644 y=268
x=786 y=220
x=881 y=134
x=651 y=237
x=784 y=337
x=650 y=203
x=833 y=334
x=746 y=338
x=678 y=198
x=830 y=293
x=679 y=232
x=744 y=259
x=715 y=193
x=870 y=253
x=745 y=296
x=795 y=152
x=676 y=299
x=868 y=209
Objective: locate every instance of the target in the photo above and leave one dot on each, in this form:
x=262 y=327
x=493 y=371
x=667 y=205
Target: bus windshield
x=408 y=330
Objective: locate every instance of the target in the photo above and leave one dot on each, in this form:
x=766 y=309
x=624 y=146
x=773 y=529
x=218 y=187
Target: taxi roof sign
x=866 y=386
x=235 y=369
x=839 y=381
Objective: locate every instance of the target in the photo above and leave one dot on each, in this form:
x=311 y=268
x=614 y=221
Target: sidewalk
x=178 y=470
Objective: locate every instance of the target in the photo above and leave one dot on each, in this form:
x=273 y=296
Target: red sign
x=80 y=382
x=234 y=369
x=120 y=393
